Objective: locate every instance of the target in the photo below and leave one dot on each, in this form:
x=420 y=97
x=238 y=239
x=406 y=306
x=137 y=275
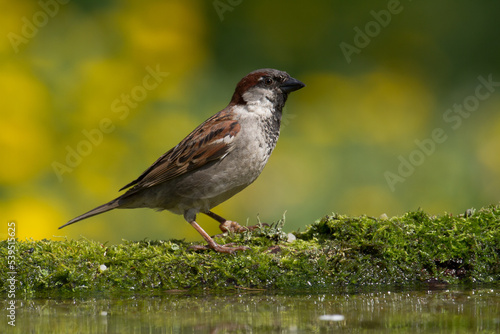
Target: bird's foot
x=234 y=227
x=211 y=244
x=231 y=226
x=227 y=248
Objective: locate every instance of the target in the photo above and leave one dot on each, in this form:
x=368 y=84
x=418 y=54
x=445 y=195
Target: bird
x=217 y=160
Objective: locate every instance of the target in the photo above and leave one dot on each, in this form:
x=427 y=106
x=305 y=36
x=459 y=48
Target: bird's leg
x=212 y=244
x=229 y=225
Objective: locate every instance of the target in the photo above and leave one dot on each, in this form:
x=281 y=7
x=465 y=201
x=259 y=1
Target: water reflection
x=246 y=311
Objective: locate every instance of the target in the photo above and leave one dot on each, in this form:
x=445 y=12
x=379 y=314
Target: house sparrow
x=217 y=160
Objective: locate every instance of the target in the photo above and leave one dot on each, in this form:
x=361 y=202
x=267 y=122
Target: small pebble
x=332 y=317
x=103 y=267
x=291 y=237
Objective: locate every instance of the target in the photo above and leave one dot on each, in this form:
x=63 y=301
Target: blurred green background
x=68 y=65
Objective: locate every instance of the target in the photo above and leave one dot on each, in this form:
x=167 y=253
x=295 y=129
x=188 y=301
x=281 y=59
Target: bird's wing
x=210 y=141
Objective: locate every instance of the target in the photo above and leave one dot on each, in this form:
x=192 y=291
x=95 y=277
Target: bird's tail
x=100 y=209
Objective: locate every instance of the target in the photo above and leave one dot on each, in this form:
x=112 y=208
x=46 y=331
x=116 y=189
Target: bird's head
x=265 y=87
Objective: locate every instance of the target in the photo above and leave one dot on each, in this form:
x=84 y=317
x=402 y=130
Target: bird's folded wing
x=212 y=140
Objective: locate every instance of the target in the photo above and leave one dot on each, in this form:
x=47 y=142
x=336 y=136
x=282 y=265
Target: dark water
x=245 y=311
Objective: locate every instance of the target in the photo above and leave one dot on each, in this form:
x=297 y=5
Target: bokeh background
x=68 y=65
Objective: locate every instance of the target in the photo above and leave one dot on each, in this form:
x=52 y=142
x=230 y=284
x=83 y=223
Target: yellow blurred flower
x=35 y=217
x=170 y=32
x=24 y=137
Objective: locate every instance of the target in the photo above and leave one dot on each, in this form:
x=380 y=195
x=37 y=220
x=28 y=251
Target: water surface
x=247 y=311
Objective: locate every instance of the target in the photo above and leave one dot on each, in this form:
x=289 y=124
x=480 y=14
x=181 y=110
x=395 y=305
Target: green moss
x=335 y=251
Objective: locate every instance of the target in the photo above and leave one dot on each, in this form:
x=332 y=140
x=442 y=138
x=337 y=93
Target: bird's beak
x=291 y=85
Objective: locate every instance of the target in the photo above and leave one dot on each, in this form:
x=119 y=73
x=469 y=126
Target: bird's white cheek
x=259 y=101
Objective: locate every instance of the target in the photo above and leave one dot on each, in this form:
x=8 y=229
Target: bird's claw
x=234 y=227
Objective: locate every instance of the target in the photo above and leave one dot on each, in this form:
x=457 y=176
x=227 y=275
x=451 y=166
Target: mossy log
x=334 y=252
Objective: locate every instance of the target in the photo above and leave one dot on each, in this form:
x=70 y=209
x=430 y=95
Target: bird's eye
x=268 y=81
